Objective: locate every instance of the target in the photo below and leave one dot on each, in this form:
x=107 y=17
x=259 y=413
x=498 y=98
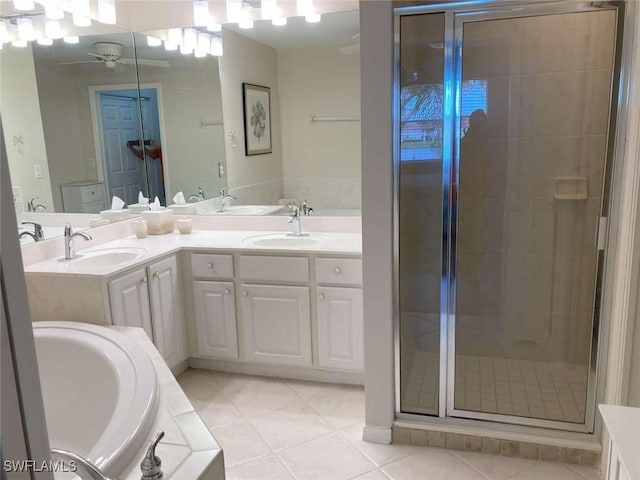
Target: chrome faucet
x=306 y=209
x=223 y=196
x=199 y=197
x=295 y=218
x=151 y=464
x=37 y=234
x=32 y=207
x=84 y=468
x=69 y=248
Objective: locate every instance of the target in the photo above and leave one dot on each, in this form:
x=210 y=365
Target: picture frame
x=257 y=119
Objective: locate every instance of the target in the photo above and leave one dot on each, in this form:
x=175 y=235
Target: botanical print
x=257 y=119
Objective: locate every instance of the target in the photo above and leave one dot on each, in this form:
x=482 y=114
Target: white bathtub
x=99 y=389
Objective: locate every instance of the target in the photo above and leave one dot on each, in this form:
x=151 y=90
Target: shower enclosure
x=503 y=156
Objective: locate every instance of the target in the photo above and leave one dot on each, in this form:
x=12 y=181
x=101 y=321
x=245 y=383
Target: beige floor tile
x=259 y=396
x=198 y=383
x=374 y=475
x=266 y=468
x=379 y=454
x=549 y=471
x=590 y=473
x=240 y=443
x=495 y=467
x=341 y=406
x=326 y=458
x=217 y=410
x=290 y=426
x=431 y=463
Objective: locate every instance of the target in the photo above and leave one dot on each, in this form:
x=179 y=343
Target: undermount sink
x=249 y=210
x=286 y=240
x=106 y=258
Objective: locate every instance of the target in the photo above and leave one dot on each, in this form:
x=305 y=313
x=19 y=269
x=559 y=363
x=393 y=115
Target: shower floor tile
x=548 y=390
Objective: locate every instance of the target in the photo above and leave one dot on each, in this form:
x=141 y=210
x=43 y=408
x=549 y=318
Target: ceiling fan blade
x=147 y=62
x=94 y=54
x=82 y=61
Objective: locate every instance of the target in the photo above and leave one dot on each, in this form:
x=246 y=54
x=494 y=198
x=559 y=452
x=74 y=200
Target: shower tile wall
x=527 y=261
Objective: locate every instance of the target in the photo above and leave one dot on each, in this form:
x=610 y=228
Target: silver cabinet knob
x=155 y=275
x=227 y=291
x=321 y=296
x=337 y=270
x=210 y=266
x=245 y=293
x=143 y=280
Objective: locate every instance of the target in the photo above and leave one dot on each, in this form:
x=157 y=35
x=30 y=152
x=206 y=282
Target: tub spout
x=150 y=464
x=86 y=469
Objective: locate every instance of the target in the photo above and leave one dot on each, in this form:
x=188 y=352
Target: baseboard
x=180 y=367
x=280 y=371
x=375 y=434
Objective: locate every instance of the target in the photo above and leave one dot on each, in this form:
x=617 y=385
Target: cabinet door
x=129 y=297
x=216 y=319
x=276 y=324
x=165 y=311
x=340 y=328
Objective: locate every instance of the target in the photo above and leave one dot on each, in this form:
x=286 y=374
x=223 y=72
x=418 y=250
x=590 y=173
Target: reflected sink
x=106 y=258
x=286 y=241
x=249 y=210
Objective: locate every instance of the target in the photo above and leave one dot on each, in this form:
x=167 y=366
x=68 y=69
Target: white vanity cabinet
x=150 y=298
x=339 y=313
x=215 y=315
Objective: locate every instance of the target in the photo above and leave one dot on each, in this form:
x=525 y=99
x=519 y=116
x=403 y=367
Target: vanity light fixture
x=81 y=10
x=268 y=9
x=185 y=51
x=153 y=41
x=44 y=41
x=19 y=43
x=216 y=46
x=279 y=21
x=72 y=40
x=80 y=21
x=174 y=36
x=200 y=13
x=52 y=10
x=23 y=4
x=107 y=11
x=313 y=18
x=190 y=39
x=204 y=43
x=199 y=53
x=304 y=7
x=214 y=27
x=4 y=32
x=25 y=29
x=52 y=29
x=246 y=22
x=170 y=46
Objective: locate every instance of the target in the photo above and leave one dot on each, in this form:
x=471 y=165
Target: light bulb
x=153 y=41
x=190 y=38
x=214 y=27
x=216 y=46
x=44 y=41
x=72 y=40
x=304 y=7
x=279 y=21
x=23 y=4
x=19 y=43
x=245 y=21
x=204 y=42
x=268 y=8
x=52 y=29
x=234 y=10
x=170 y=46
x=174 y=36
x=200 y=13
x=313 y=18
x=4 y=32
x=199 y=54
x=184 y=50
x=107 y=11
x=25 y=29
x=52 y=11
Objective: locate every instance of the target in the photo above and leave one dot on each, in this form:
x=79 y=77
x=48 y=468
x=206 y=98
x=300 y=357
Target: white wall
x=23 y=127
x=257 y=178
x=321 y=161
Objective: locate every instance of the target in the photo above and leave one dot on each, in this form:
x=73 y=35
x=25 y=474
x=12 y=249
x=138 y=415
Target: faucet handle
x=223 y=192
x=67 y=229
x=151 y=464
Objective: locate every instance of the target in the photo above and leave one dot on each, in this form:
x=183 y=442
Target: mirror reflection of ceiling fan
x=110 y=55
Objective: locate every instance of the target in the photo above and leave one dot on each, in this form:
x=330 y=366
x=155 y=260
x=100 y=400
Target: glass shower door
x=531 y=132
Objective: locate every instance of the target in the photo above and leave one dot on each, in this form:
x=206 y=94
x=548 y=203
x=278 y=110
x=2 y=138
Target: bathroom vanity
x=227 y=300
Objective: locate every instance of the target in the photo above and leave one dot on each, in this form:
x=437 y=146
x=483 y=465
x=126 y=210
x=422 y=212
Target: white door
x=340 y=328
x=165 y=311
x=276 y=324
x=216 y=319
x=120 y=124
x=129 y=297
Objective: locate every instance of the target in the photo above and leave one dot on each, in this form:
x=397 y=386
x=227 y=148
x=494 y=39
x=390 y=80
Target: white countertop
x=623 y=425
x=202 y=240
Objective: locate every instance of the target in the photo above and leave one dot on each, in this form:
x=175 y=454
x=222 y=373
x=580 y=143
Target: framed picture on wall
x=257 y=119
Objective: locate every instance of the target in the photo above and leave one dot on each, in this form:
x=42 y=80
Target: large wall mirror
x=119 y=113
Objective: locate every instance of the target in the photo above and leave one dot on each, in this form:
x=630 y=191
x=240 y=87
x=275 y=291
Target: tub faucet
x=151 y=464
x=295 y=218
x=69 y=248
x=85 y=469
x=224 y=195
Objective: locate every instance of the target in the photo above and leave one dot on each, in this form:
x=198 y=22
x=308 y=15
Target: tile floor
x=555 y=391
x=284 y=429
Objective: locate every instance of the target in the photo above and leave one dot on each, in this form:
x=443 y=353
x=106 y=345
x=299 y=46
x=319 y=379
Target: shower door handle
x=601 y=233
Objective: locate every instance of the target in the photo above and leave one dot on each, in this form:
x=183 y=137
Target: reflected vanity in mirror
x=118 y=114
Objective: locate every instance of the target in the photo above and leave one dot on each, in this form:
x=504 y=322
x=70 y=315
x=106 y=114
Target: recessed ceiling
x=335 y=30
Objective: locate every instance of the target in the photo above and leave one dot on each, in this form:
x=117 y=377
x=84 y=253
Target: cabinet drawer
x=339 y=271
x=92 y=193
x=93 y=207
x=209 y=265
x=275 y=269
